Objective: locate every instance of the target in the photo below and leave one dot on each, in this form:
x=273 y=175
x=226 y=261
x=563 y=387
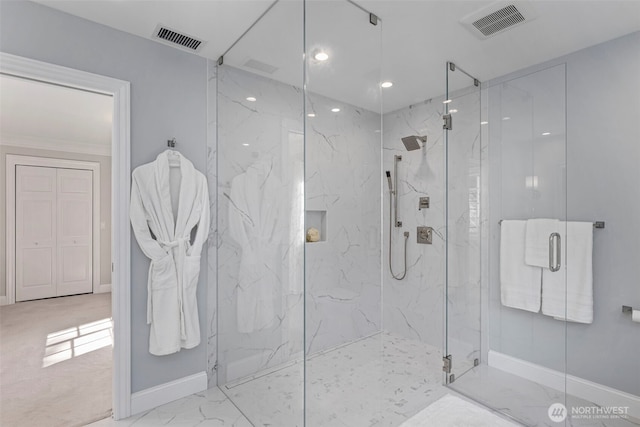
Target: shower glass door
x=463 y=222
x=522 y=340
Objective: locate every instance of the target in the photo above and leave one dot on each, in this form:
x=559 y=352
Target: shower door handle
x=554 y=266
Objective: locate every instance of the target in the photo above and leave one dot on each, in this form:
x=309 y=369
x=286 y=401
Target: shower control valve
x=425 y=235
x=423 y=203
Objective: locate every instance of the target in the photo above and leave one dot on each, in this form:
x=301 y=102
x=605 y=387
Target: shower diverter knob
x=425 y=235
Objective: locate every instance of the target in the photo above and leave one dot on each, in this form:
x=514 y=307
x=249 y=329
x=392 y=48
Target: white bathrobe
x=258 y=223
x=169 y=198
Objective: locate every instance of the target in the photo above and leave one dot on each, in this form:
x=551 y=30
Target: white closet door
x=35 y=233
x=74 y=230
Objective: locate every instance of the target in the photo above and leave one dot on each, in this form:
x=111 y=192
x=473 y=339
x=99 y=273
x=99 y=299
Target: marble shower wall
x=260 y=282
x=414 y=307
x=212 y=168
x=342 y=195
x=261 y=218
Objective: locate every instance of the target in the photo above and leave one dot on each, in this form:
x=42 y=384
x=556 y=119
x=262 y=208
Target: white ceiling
x=410 y=47
x=40 y=115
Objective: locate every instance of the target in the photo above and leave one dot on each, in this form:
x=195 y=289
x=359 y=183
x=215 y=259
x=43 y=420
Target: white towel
x=577 y=271
x=519 y=283
x=537 y=241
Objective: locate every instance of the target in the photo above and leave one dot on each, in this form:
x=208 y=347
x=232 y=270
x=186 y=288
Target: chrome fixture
x=555 y=266
x=394 y=193
x=414 y=142
x=423 y=203
x=425 y=235
x=393 y=203
x=389 y=181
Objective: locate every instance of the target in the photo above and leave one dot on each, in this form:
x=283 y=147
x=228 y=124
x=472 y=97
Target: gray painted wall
x=105 y=204
x=603 y=174
x=168 y=99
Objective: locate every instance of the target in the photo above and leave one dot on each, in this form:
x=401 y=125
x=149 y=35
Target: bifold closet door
x=74 y=231
x=53 y=232
x=36 y=243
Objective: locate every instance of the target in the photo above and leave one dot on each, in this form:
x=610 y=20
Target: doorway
x=53 y=241
x=119 y=235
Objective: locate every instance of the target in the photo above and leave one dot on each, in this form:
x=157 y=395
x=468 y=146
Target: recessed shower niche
x=317 y=220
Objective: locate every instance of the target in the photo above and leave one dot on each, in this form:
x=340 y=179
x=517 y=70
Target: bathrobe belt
x=180 y=244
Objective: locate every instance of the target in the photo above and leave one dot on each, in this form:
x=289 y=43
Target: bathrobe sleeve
x=139 y=223
x=238 y=212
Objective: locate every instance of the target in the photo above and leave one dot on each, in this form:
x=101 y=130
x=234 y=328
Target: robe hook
x=171 y=143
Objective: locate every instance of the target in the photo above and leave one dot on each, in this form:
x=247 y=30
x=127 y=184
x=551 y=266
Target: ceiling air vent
x=260 y=66
x=176 y=39
x=498 y=17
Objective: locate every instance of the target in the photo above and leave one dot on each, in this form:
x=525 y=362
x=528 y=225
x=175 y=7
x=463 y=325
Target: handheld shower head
x=389 y=181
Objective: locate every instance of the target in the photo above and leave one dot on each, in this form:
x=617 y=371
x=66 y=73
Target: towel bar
x=597 y=224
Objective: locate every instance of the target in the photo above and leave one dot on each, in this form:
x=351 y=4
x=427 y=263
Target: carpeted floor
x=55 y=361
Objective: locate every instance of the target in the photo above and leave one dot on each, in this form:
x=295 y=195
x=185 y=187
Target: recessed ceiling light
x=386 y=84
x=506 y=118
x=446 y=101
x=335 y=110
x=321 y=56
x=251 y=99
x=453 y=110
x=311 y=115
x=484 y=123
x=546 y=133
x=245 y=144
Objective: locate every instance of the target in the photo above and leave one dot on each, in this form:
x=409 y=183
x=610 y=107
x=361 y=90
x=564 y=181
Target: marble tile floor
x=381 y=380
x=378 y=381
x=524 y=400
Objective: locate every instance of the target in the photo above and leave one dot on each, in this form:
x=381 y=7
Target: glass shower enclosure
x=524 y=147
x=299 y=226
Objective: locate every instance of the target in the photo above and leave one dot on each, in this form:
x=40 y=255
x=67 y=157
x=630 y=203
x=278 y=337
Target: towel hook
x=171 y=143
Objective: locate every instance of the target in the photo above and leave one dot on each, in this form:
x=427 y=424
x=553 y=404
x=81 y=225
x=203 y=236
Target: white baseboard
x=168 y=392
x=103 y=288
x=576 y=386
x=3 y=300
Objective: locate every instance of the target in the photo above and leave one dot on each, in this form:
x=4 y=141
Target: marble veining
x=380 y=380
x=335 y=170
x=413 y=307
x=212 y=261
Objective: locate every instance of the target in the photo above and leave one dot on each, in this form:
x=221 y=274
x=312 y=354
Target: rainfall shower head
x=389 y=181
x=413 y=142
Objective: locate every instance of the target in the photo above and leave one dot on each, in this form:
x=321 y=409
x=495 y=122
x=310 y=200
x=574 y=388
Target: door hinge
x=112 y=268
x=448 y=122
x=447 y=363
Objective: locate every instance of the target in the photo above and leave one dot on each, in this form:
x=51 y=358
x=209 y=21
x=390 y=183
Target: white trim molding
x=168 y=392
x=10 y=198
x=38 y=143
x=103 y=288
x=121 y=178
x=599 y=394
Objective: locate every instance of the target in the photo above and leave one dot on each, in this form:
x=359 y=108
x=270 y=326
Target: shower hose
x=406 y=238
